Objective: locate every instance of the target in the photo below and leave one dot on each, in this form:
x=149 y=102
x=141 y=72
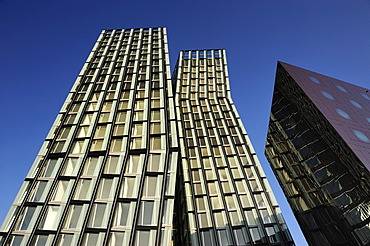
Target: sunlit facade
x=318 y=145
x=106 y=172
x=127 y=163
x=224 y=196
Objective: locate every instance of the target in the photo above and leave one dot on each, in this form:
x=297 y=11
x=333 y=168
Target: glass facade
x=106 y=172
x=318 y=157
x=223 y=194
x=127 y=163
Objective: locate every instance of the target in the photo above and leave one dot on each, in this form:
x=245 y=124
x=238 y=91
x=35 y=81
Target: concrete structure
x=318 y=145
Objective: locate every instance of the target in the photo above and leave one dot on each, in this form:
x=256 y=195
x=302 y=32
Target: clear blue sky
x=43 y=45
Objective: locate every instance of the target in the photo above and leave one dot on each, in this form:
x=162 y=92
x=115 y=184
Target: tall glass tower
x=106 y=172
x=224 y=194
x=126 y=164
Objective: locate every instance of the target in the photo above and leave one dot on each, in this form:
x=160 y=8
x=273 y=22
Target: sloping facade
x=318 y=146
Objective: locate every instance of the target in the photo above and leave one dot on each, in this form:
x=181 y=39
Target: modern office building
x=111 y=171
x=224 y=196
x=318 y=145
x=106 y=172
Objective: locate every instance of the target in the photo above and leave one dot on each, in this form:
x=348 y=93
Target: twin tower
x=136 y=157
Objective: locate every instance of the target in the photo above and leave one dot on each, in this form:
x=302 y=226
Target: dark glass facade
x=318 y=146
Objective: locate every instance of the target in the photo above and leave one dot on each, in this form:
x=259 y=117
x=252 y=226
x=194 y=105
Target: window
x=65 y=240
x=154 y=163
x=224 y=237
x=256 y=235
x=136 y=143
x=122 y=214
x=143 y=237
x=24 y=220
x=58 y=147
x=139 y=115
x=123 y=105
x=148 y=213
x=90 y=167
x=97 y=145
x=343 y=113
x=116 y=145
x=129 y=187
x=266 y=217
x=152 y=186
x=107 y=106
x=38 y=193
x=155 y=103
x=260 y=201
x=91 y=106
x=112 y=166
x=155 y=128
x=230 y=202
x=100 y=131
x=207 y=238
x=93 y=239
x=51 y=219
x=83 y=190
x=95 y=97
x=118 y=130
x=201 y=207
x=70 y=119
x=117 y=238
x=155 y=115
x=41 y=240
x=251 y=217
x=155 y=143
x=104 y=117
x=75 y=107
x=60 y=192
x=134 y=164
x=365 y=96
x=219 y=219
x=137 y=129
x=82 y=132
x=77 y=147
x=155 y=93
x=87 y=120
x=74 y=218
x=327 y=95
x=139 y=105
x=215 y=201
x=105 y=190
x=49 y=167
x=203 y=220
x=361 y=136
x=241 y=237
x=121 y=117
x=98 y=216
x=70 y=167
x=64 y=132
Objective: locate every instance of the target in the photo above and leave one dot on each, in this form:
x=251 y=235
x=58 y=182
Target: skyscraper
x=108 y=169
x=106 y=172
x=318 y=145
x=226 y=198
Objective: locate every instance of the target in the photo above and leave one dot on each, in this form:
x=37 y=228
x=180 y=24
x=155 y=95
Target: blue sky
x=43 y=45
